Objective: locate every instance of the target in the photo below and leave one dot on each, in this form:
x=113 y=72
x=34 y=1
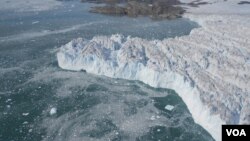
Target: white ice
x=53 y=111
x=169 y=107
x=25 y=114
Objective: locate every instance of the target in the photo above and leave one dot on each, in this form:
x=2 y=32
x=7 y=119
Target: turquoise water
x=88 y=107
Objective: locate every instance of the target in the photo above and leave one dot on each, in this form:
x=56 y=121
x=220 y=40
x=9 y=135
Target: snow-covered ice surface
x=28 y=5
x=209 y=68
x=218 y=7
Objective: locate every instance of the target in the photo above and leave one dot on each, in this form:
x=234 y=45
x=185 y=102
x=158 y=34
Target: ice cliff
x=209 y=69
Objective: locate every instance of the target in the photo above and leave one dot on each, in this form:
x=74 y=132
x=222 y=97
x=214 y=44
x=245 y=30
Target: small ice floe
x=169 y=107
x=30 y=130
x=26 y=122
x=152 y=118
x=35 y=22
x=158 y=130
x=8 y=100
x=25 y=114
x=52 y=111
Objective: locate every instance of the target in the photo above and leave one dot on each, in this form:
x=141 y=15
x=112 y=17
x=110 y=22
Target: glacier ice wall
x=209 y=69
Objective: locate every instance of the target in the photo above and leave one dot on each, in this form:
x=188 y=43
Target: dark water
x=87 y=107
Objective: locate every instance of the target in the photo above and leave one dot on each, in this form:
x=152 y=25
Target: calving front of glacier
x=209 y=68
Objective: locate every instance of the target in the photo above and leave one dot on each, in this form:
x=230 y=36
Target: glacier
x=209 y=69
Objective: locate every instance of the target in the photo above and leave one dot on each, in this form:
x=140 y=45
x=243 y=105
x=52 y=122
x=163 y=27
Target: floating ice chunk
x=35 y=22
x=8 y=100
x=26 y=122
x=53 y=111
x=152 y=118
x=25 y=114
x=169 y=107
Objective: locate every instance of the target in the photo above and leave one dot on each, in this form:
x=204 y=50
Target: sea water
x=40 y=101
